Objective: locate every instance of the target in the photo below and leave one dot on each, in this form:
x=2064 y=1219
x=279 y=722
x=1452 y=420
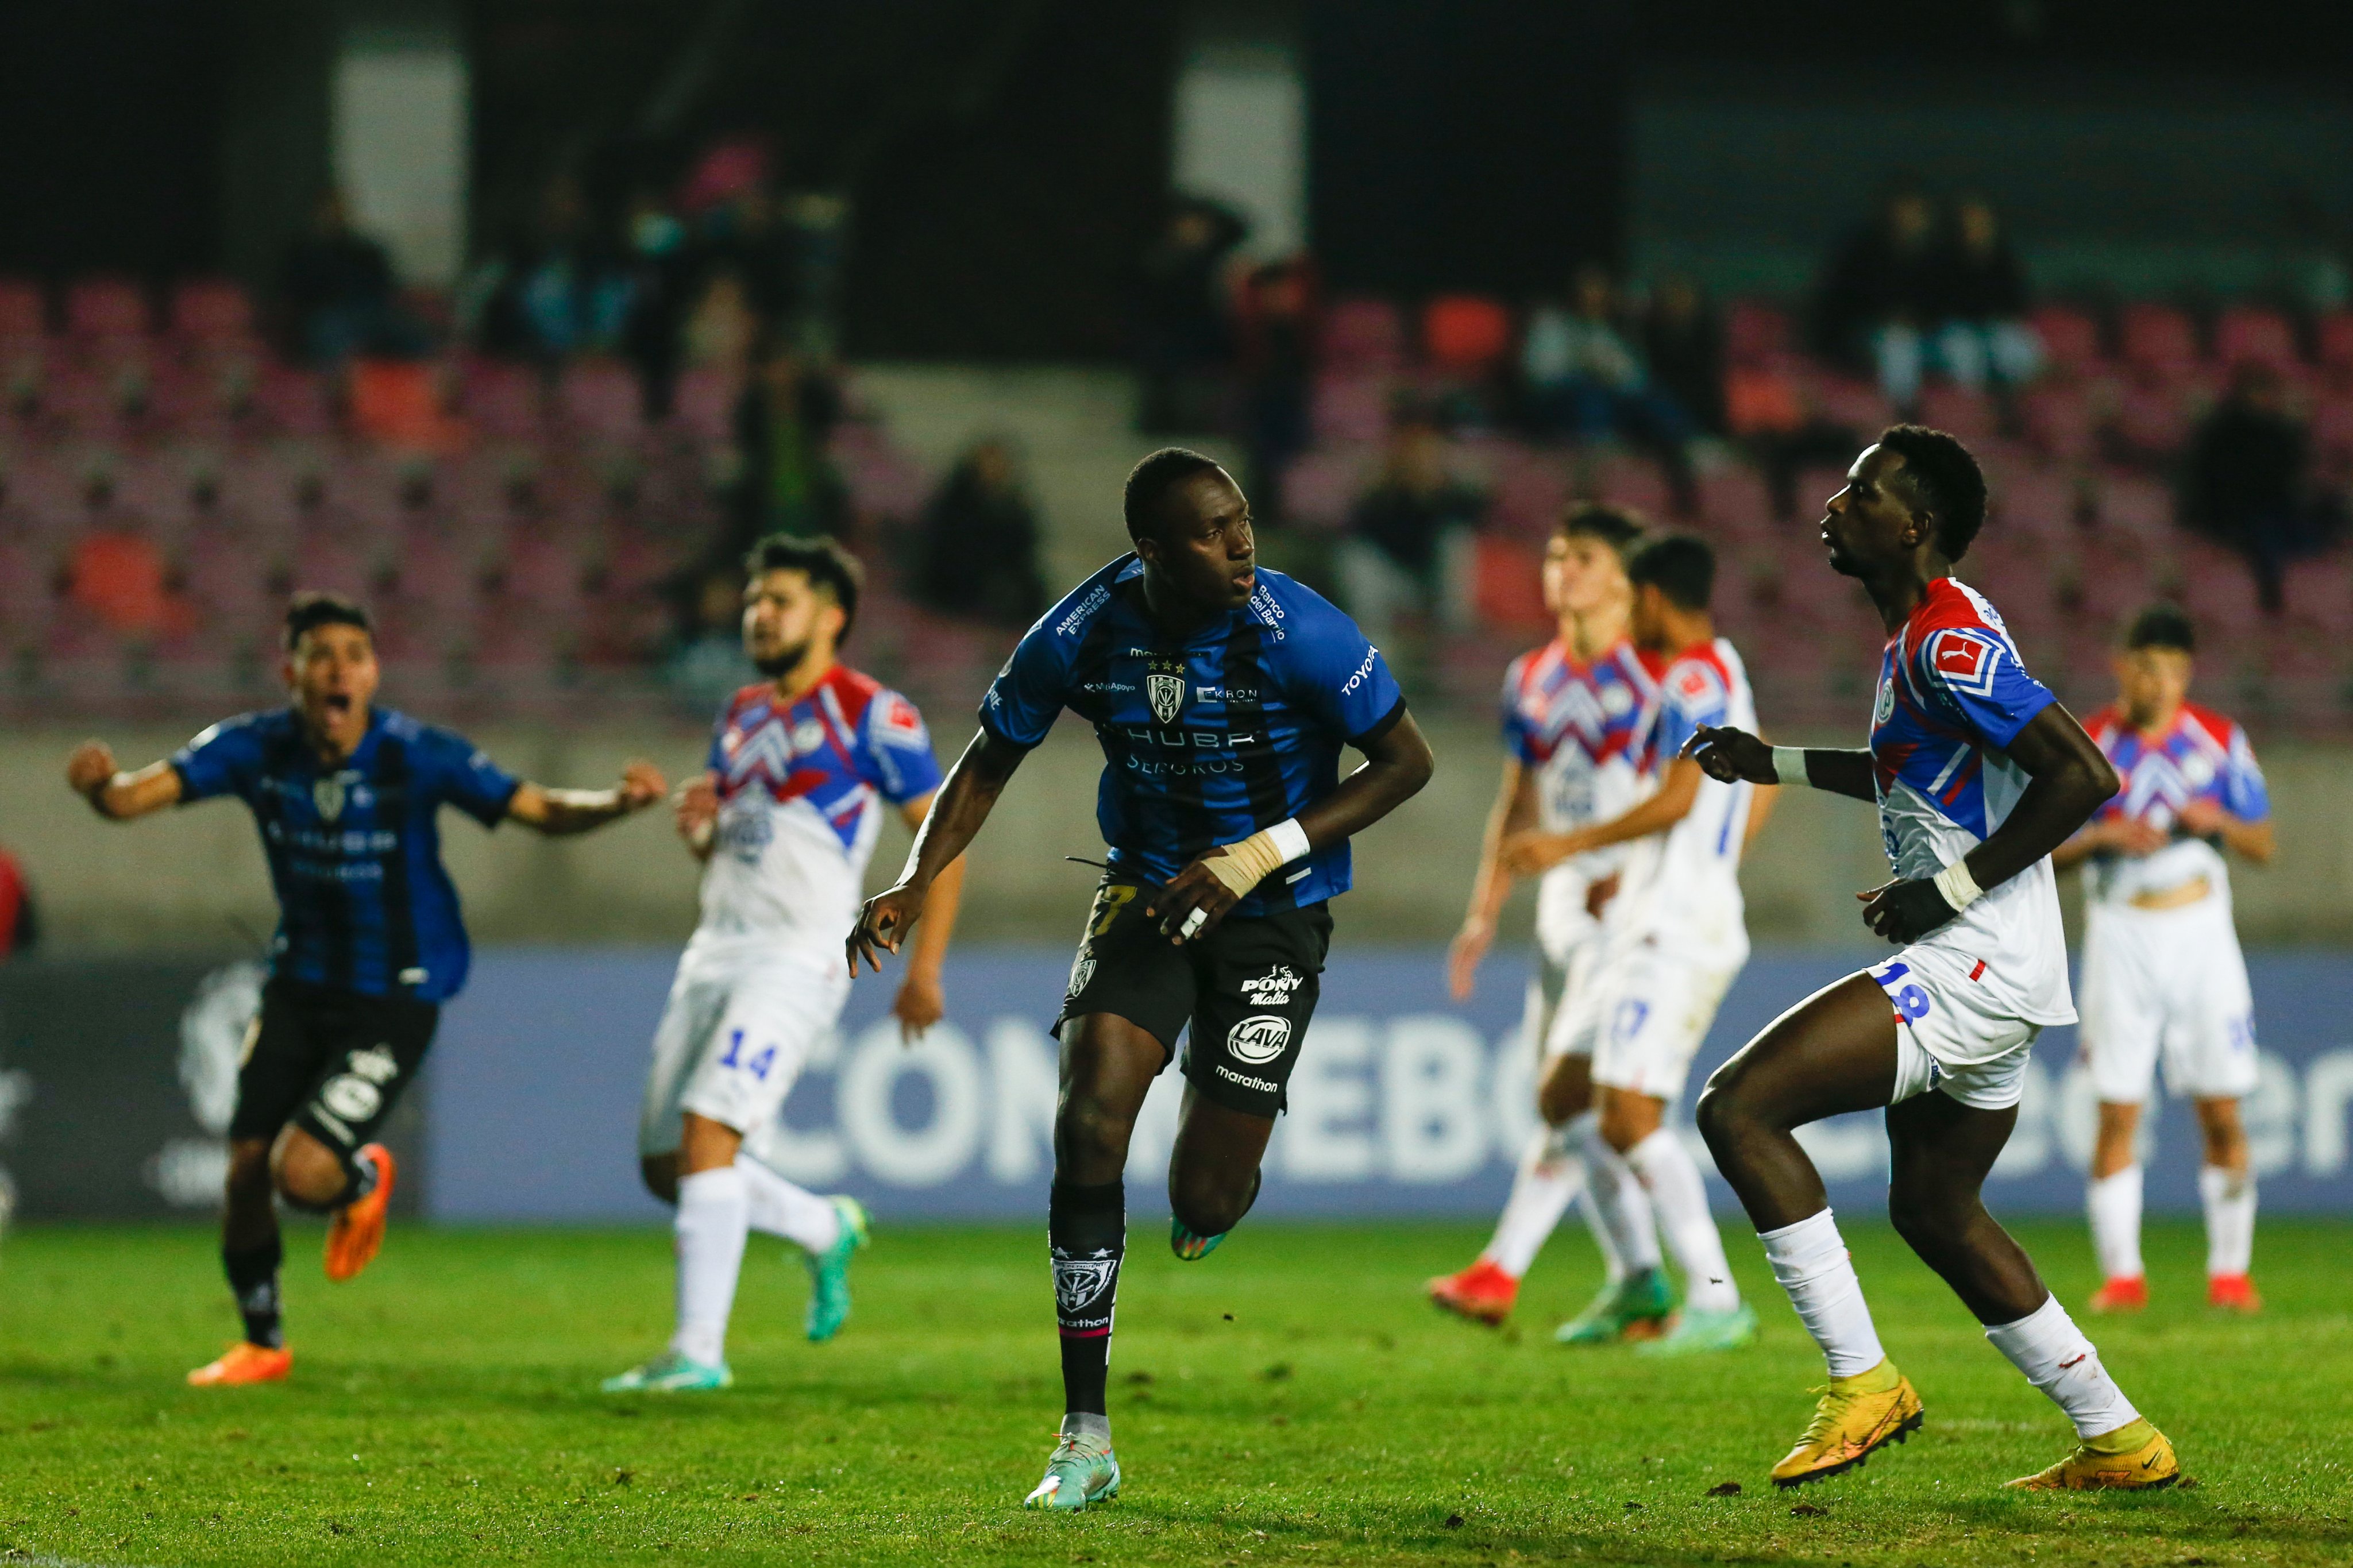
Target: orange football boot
x=1482 y=1292
x=244 y=1363
x=358 y=1228
x=2232 y=1293
x=2121 y=1295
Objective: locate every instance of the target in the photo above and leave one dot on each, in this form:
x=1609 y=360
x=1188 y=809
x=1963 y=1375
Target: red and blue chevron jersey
x=2198 y=755
x=1578 y=728
x=1953 y=694
x=801 y=789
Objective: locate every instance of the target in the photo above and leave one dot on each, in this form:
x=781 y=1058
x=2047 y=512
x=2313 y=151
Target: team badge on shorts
x=1258 y=1039
x=1081 y=970
x=1168 y=695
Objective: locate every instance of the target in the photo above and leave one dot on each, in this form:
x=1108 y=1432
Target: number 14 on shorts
x=757 y=1066
x=1908 y=999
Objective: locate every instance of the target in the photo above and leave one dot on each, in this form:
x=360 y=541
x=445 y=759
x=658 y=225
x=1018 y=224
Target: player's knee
x=661 y=1175
x=306 y=1173
x=1562 y=1097
x=1209 y=1203
x=1718 y=1116
x=1088 y=1134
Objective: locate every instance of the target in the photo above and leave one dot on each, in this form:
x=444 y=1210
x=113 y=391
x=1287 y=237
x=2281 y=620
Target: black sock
x=365 y=1176
x=1086 y=1232
x=253 y=1280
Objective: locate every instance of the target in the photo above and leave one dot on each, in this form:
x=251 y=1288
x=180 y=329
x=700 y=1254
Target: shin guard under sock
x=1086 y=1233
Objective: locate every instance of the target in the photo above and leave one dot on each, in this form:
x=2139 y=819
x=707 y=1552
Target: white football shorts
x=2170 y=982
x=1949 y=1037
x=1655 y=1011
x=1557 y=1017
x=734 y=1034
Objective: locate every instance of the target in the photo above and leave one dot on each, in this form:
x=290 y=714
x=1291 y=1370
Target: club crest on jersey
x=1079 y=1280
x=1167 y=693
x=1258 y=1039
x=329 y=793
x=1884 y=709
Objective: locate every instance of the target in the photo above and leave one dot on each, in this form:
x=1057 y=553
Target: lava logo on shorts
x=1168 y=695
x=1079 y=1280
x=1273 y=988
x=1259 y=1039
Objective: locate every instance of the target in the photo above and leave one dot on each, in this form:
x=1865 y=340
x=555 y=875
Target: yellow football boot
x=1857 y=1416
x=2130 y=1458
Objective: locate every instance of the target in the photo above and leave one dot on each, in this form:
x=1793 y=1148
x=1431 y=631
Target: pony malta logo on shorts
x=1273 y=988
x=1258 y=1039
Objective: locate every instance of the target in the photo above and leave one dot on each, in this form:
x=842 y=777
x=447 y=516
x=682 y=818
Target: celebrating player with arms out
x=1979 y=776
x=784 y=819
x=2161 y=961
x=369 y=942
x=1669 y=953
x=1222 y=696
x=1575 y=711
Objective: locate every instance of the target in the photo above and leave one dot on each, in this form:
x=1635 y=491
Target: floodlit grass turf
x=1290 y=1399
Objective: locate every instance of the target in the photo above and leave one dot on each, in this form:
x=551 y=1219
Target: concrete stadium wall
x=194 y=881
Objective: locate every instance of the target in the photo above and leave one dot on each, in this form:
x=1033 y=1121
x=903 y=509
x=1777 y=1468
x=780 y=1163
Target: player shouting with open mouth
x=1222 y=696
x=1979 y=775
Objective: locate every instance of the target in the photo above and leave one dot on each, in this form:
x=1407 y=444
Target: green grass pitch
x=1291 y=1399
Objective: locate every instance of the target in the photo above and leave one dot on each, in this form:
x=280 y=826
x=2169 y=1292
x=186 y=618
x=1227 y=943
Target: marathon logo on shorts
x=1258 y=1039
x=1245 y=1081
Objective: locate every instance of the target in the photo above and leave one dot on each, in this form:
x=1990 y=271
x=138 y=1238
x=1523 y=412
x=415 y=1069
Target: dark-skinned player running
x=1222 y=696
x=1979 y=775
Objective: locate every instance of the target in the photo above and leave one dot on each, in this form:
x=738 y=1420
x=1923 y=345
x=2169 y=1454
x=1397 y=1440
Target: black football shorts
x=1247 y=989
x=330 y=1061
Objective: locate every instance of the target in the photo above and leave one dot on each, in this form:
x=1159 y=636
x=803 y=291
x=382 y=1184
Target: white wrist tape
x=1956 y=887
x=1789 y=765
x=1244 y=865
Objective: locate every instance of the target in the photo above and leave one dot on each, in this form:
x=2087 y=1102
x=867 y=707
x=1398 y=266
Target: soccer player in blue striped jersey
x=370 y=940
x=1222 y=696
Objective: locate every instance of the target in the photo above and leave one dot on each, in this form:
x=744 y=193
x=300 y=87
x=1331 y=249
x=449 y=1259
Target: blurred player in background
x=369 y=942
x=1222 y=696
x=785 y=820
x=1670 y=953
x=2161 y=962
x=1574 y=711
x=1979 y=775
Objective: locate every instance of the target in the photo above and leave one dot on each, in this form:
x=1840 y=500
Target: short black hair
x=1621 y=528
x=1152 y=478
x=1945 y=478
x=822 y=559
x=1680 y=565
x=2162 y=626
x=311 y=609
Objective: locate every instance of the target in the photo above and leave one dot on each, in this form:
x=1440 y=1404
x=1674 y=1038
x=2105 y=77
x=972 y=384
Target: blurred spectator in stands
x=1278 y=344
x=20 y=928
x=1980 y=304
x=572 y=294
x=783 y=424
x=722 y=328
x=707 y=665
x=979 y=542
x=658 y=269
x=1683 y=339
x=746 y=235
x=1586 y=380
x=336 y=287
x=2247 y=481
x=117 y=573
x=1410 y=539
x=1184 y=339
x=1879 y=292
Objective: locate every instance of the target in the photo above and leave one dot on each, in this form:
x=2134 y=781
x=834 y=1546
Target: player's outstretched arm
x=559 y=812
x=1533 y=853
x=2069 y=779
x=2255 y=840
x=922 y=999
x=1514 y=811
x=1398 y=763
x=1730 y=756
x=115 y=795
x=959 y=806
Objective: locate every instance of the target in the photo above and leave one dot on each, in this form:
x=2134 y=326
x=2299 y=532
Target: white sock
x=713 y=1219
x=1613 y=1268
x=2114 y=1203
x=1679 y=1195
x=1547 y=1180
x=1620 y=1207
x=2230 y=1198
x=2056 y=1358
x=1809 y=1259
x=777 y=1207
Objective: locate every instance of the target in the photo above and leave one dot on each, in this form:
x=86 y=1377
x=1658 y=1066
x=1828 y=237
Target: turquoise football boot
x=1081 y=1471
x=1190 y=1245
x=828 y=1306
x=671 y=1373
x=1636 y=1308
x=1696 y=1333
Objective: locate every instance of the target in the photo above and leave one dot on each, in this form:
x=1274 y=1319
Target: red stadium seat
x=2159 y=339
x=106 y=308
x=211 y=310
x=2071 y=338
x=1362 y=334
x=2336 y=341
x=1755 y=332
x=1465 y=333
x=1351 y=407
x=1508 y=584
x=23 y=313
x=2251 y=334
